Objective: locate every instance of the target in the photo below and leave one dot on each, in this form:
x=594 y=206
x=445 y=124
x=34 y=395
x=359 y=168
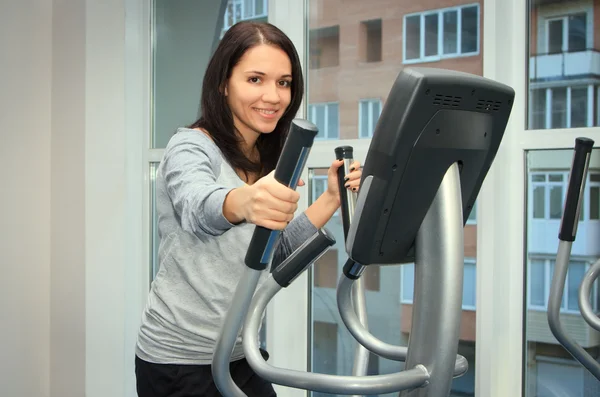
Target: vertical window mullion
x=548 y=108
x=440 y=40
x=422 y=36
x=568 y=107
x=590 y=105
x=459 y=30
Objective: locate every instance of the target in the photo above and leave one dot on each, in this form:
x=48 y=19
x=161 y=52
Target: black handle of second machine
x=581 y=160
x=288 y=170
x=345 y=153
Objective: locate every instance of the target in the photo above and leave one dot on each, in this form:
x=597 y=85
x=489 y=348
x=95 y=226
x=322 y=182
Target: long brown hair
x=217 y=118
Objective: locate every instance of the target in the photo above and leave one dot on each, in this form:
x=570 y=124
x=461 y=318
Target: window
x=547 y=176
x=326 y=117
x=594 y=201
x=567 y=34
x=368 y=114
x=562 y=107
x=443 y=33
x=370 y=41
x=469 y=284
x=324 y=47
x=240 y=10
x=540 y=279
x=549 y=189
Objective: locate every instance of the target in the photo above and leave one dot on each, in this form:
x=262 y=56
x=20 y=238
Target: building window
x=469 y=284
x=594 y=201
x=324 y=47
x=242 y=10
x=370 y=41
x=567 y=33
x=549 y=190
x=540 y=278
x=443 y=33
x=368 y=114
x=326 y=117
x=562 y=107
x=318 y=187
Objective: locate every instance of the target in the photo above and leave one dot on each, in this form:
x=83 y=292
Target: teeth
x=264 y=111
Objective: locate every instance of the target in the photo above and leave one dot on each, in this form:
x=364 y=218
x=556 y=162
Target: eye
x=285 y=83
x=254 y=79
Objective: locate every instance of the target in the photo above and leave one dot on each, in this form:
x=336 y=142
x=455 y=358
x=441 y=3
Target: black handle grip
x=288 y=170
x=579 y=168
x=345 y=153
x=302 y=257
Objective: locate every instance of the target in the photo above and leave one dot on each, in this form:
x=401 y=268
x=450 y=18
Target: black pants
x=174 y=380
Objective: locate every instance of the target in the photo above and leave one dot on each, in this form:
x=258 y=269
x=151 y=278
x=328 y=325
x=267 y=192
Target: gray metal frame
x=584 y=296
x=432 y=352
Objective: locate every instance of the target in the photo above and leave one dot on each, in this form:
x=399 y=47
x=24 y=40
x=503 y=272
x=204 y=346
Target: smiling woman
x=213 y=185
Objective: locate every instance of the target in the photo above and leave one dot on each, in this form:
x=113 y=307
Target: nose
x=271 y=93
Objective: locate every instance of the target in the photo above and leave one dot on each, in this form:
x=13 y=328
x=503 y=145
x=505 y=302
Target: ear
x=223 y=89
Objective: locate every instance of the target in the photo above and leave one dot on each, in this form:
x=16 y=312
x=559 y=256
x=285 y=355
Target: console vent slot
x=446 y=100
x=488 y=106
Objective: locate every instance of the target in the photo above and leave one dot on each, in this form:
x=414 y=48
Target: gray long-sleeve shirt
x=201 y=254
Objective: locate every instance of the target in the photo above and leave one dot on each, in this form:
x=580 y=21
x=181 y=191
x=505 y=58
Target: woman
x=214 y=184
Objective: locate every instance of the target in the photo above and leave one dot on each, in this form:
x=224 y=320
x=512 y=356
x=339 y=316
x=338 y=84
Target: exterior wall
x=467 y=323
x=350 y=78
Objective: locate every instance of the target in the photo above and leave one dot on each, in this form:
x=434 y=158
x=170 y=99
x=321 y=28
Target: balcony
x=543 y=237
x=565 y=65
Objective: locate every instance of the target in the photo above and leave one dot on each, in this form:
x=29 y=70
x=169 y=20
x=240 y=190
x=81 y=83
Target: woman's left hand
x=352 y=179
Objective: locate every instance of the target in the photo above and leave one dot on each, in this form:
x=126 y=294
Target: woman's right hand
x=266 y=203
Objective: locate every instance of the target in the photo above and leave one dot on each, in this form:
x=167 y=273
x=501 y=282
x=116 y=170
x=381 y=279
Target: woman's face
x=259 y=90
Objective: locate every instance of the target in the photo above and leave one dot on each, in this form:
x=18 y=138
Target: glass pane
x=538 y=116
x=184 y=36
x=559 y=108
x=574 y=278
x=431 y=35
x=469 y=289
x=450 y=32
x=364 y=119
x=577 y=32
x=579 y=107
x=595 y=202
x=555 y=36
x=422 y=28
x=549 y=368
x=539 y=202
x=561 y=57
x=470 y=29
x=556 y=202
x=555 y=177
x=408 y=283
x=333 y=121
x=537 y=295
x=413 y=37
x=376 y=112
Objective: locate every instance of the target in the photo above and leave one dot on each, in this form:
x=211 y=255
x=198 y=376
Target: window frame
x=370 y=102
x=468 y=262
x=592 y=113
x=565 y=30
x=585 y=208
x=440 y=39
x=311 y=112
x=564 y=307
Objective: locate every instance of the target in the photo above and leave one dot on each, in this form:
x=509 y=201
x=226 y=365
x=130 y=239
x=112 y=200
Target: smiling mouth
x=266 y=111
